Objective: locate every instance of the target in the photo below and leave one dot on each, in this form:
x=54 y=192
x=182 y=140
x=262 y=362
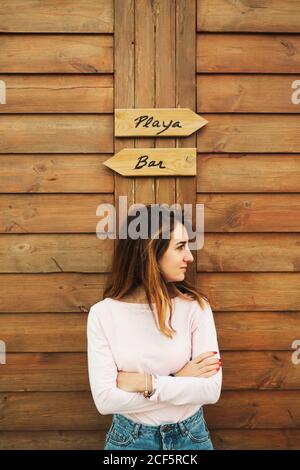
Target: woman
x=153 y=355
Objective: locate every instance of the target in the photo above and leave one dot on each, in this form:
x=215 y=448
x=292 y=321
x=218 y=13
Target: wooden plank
x=45 y=372
x=70 y=16
x=260 y=371
x=51 y=213
x=44 y=333
x=251 y=292
x=242 y=53
x=258 y=439
x=223 y=439
x=253 y=133
x=52 y=440
x=63 y=133
x=263 y=16
x=58 y=93
x=246 y=173
x=251 y=212
x=75 y=53
x=258 y=252
x=49 y=411
x=69 y=371
x=255 y=410
x=64 y=292
x=54 y=173
x=239 y=93
x=66 y=332
x=255 y=330
x=54 y=253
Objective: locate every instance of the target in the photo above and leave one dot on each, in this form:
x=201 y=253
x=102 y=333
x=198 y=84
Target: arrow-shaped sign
x=154 y=162
x=157 y=122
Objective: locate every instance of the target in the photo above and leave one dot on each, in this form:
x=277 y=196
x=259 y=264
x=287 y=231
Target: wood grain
x=75 y=53
x=51 y=213
x=50 y=133
x=50 y=253
x=246 y=173
x=55 y=173
x=253 y=133
x=243 y=53
x=70 y=16
x=251 y=291
x=263 y=16
x=256 y=252
x=250 y=212
x=53 y=292
x=247 y=93
x=57 y=94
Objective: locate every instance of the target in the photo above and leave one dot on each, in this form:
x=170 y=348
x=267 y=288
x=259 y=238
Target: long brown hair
x=135 y=263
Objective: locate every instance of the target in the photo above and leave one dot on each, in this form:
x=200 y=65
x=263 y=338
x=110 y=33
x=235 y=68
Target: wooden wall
x=57 y=60
x=248 y=177
x=66 y=67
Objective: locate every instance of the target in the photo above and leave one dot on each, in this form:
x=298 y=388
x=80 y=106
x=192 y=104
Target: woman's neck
x=138 y=295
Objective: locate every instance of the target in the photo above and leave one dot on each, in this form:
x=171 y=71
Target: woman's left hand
x=130 y=381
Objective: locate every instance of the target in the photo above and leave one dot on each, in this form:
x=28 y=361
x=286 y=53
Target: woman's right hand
x=204 y=365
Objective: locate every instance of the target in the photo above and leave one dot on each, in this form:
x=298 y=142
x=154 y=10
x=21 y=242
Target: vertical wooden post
x=155 y=66
x=124 y=85
x=186 y=31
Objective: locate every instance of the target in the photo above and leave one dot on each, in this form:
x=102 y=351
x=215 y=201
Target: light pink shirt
x=124 y=337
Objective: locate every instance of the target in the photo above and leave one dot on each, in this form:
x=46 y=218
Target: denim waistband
x=135 y=427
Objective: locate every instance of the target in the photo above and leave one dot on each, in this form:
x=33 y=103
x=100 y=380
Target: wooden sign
x=157 y=122
x=154 y=162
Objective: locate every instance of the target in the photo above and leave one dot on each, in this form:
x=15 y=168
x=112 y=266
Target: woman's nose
x=188 y=257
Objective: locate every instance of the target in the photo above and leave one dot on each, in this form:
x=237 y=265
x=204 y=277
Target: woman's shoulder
x=189 y=299
x=97 y=308
x=195 y=308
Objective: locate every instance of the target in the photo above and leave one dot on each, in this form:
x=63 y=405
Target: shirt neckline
x=135 y=304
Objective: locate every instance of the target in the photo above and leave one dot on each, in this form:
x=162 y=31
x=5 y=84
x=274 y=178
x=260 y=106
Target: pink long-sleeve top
x=124 y=336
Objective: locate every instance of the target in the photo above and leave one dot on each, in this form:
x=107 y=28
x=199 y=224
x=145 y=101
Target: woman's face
x=177 y=256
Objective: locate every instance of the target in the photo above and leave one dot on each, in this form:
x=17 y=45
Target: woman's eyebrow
x=183 y=241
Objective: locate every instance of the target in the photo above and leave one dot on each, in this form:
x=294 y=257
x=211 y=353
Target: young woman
x=153 y=355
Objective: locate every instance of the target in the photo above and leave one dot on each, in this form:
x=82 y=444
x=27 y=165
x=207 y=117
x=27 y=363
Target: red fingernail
x=215 y=352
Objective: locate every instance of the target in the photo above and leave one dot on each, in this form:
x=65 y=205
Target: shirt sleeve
x=108 y=398
x=194 y=390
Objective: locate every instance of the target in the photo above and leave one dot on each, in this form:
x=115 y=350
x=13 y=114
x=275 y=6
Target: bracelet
x=148 y=394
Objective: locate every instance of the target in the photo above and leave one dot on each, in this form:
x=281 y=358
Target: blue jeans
x=191 y=433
